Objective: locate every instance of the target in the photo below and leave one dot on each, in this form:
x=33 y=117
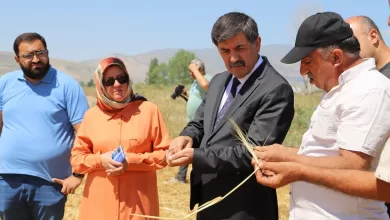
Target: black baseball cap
x=316 y=31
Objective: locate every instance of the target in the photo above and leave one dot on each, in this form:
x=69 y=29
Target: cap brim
x=297 y=54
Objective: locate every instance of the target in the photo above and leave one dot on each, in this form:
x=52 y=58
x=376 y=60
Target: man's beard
x=36 y=74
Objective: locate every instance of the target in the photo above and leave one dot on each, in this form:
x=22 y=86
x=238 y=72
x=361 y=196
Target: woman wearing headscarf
x=115 y=190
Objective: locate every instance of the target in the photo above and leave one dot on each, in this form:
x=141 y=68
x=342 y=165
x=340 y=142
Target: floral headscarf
x=103 y=100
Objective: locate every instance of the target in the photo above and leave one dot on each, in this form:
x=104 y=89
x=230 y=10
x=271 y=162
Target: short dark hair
x=231 y=24
x=27 y=37
x=350 y=45
x=369 y=24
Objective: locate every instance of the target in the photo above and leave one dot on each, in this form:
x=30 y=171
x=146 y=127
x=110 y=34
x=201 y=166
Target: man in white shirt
x=347 y=130
x=367 y=184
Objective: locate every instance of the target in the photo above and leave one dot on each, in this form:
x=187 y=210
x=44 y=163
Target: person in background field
x=371 y=42
x=113 y=190
x=367 y=184
x=195 y=97
x=260 y=101
x=347 y=131
x=371 y=45
x=40 y=110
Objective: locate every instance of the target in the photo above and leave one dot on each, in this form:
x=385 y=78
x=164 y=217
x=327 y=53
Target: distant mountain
x=78 y=70
x=138 y=65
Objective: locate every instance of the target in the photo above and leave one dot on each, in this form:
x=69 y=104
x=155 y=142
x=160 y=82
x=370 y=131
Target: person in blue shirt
x=40 y=111
x=194 y=98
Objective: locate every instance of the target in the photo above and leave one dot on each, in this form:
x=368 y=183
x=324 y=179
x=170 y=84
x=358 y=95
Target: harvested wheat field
x=174 y=198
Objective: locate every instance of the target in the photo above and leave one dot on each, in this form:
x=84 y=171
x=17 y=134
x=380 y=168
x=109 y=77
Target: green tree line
x=172 y=73
x=90 y=83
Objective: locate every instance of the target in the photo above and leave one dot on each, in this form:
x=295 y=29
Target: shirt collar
x=47 y=79
x=121 y=113
x=128 y=111
x=245 y=78
x=349 y=74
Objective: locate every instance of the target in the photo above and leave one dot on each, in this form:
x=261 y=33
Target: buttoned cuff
x=197 y=157
x=133 y=158
x=200 y=161
x=97 y=161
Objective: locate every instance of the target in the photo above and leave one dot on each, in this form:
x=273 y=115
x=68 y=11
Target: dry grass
x=174 y=198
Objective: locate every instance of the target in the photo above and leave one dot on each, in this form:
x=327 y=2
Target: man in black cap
x=347 y=130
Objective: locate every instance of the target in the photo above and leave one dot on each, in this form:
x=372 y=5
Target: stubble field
x=174 y=198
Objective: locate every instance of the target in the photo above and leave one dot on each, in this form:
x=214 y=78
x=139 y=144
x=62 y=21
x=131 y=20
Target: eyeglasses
x=122 y=79
x=39 y=53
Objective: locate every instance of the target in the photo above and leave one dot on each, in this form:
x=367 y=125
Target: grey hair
x=326 y=50
x=233 y=23
x=349 y=46
x=369 y=25
x=199 y=63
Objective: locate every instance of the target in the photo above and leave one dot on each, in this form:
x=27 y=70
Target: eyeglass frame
x=35 y=53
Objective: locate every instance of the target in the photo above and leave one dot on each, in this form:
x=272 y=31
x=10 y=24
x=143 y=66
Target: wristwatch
x=78 y=175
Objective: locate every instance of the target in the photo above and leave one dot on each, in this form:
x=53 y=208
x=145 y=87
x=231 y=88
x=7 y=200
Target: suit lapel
x=246 y=90
x=216 y=100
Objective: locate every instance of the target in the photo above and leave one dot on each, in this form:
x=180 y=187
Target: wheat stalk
x=241 y=136
x=249 y=146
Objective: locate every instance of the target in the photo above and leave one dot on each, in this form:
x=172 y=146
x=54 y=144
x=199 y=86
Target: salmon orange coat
x=141 y=131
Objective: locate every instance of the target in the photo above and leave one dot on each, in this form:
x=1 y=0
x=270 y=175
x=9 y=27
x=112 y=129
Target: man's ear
x=17 y=59
x=374 y=37
x=257 y=44
x=338 y=57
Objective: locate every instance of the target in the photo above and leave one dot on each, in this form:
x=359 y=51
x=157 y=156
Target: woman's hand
x=107 y=162
x=119 y=170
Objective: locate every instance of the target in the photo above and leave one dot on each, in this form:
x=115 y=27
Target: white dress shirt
x=242 y=81
x=353 y=116
x=383 y=170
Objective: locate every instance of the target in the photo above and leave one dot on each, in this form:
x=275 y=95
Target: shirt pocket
x=138 y=144
x=324 y=126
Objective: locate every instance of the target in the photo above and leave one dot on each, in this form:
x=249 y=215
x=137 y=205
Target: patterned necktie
x=228 y=101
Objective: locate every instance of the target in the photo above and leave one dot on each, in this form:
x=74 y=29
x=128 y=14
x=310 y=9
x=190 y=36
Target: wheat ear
x=249 y=146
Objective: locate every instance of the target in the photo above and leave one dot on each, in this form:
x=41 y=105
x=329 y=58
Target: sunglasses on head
x=122 y=79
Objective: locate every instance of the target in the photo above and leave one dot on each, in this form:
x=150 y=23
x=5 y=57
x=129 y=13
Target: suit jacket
x=264 y=107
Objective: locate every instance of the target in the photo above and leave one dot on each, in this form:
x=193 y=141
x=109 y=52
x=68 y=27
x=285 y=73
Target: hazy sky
x=86 y=29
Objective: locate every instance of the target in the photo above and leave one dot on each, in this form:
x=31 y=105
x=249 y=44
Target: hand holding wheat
x=249 y=146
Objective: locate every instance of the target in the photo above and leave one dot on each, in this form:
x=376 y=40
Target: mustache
x=237 y=63
x=310 y=75
x=39 y=62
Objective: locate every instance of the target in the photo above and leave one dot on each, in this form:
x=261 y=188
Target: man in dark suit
x=260 y=101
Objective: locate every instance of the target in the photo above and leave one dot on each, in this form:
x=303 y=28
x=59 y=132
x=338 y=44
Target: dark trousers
x=388 y=208
x=182 y=174
x=27 y=197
